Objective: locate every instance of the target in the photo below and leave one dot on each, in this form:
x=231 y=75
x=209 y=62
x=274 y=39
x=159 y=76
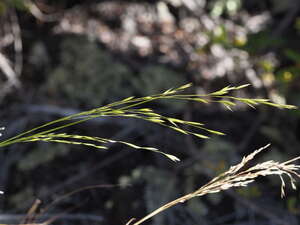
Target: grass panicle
x=237 y=176
x=131 y=107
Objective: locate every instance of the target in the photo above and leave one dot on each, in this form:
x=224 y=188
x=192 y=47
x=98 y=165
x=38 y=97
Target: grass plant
x=132 y=107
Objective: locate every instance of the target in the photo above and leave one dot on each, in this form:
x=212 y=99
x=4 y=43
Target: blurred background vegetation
x=61 y=57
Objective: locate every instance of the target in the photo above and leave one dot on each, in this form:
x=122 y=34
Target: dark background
x=62 y=57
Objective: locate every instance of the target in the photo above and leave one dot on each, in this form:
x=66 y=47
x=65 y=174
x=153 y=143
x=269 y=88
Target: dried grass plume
x=238 y=176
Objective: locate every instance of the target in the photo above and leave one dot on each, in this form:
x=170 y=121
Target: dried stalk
x=236 y=176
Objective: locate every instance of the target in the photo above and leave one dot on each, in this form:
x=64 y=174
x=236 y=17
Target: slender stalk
x=163 y=208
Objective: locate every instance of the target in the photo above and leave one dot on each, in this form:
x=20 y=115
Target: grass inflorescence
x=237 y=176
x=131 y=107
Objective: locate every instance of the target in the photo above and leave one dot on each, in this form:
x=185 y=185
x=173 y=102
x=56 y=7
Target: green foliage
x=19 y=4
x=80 y=78
x=260 y=41
x=6 y=4
x=159 y=188
x=292 y=55
x=2 y=8
x=88 y=74
x=250 y=192
x=157 y=78
x=288 y=74
x=41 y=154
x=293 y=205
x=225 y=6
x=287 y=77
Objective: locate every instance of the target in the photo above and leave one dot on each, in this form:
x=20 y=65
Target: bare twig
x=276 y=219
x=38 y=14
x=83 y=174
x=18 y=46
x=30 y=215
x=6 y=68
x=287 y=20
x=78 y=216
